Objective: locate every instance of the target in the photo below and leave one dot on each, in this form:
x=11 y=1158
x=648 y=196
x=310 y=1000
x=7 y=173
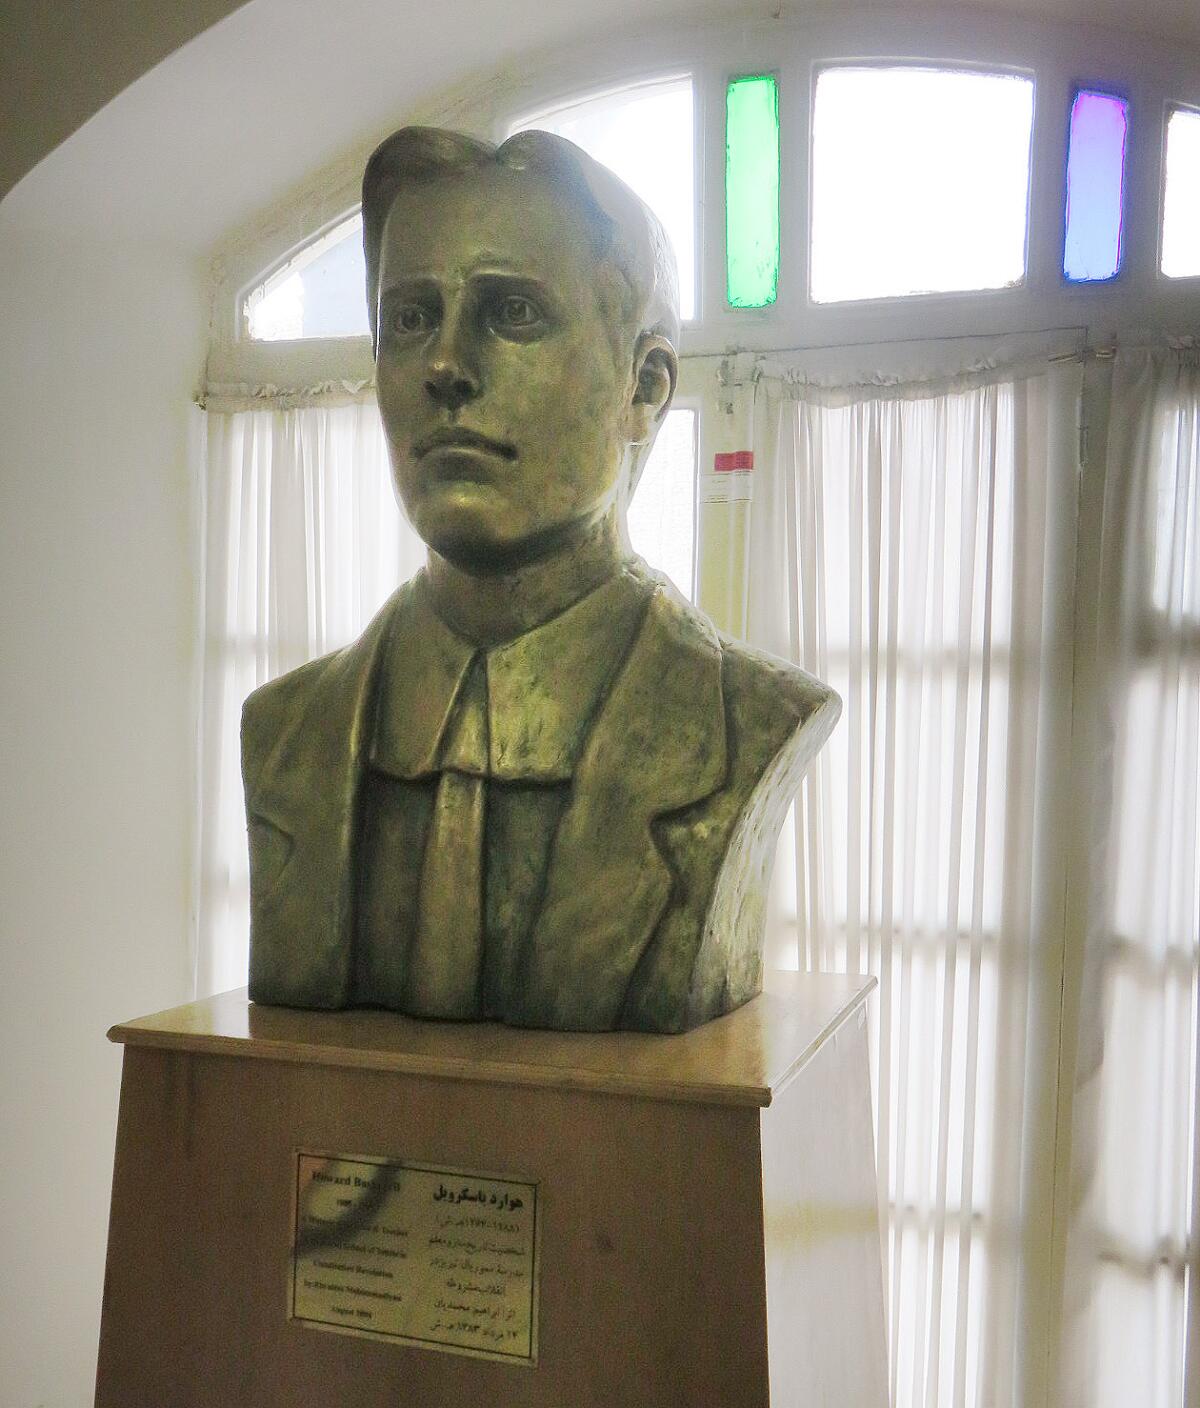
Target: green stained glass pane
x=752 y=191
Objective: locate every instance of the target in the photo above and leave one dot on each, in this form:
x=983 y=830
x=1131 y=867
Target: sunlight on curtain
x=303 y=542
x=924 y=535
x=1133 y=1257
x=662 y=513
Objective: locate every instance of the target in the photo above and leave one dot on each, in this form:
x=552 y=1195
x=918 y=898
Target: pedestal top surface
x=744 y=1058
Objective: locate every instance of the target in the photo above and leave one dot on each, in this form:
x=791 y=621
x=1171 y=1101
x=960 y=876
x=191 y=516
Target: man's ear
x=655 y=372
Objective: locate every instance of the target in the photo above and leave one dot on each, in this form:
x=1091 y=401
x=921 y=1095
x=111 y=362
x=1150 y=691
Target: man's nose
x=451 y=378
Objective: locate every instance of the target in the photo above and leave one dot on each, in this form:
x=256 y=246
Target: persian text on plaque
x=428 y=1256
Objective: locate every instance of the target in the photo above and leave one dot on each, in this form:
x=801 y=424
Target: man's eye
x=411 y=318
x=516 y=312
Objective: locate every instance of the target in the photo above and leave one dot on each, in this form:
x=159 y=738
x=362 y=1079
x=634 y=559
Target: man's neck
x=491 y=608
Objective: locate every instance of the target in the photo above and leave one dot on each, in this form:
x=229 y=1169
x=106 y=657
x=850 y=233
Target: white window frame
x=1153 y=76
x=295 y=261
x=1168 y=282
x=505 y=129
x=895 y=301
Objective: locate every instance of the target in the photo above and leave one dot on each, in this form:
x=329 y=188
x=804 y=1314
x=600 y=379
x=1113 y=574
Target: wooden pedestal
x=707 y=1202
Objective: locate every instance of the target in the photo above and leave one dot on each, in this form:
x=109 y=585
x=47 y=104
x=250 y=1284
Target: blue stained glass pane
x=1095 y=187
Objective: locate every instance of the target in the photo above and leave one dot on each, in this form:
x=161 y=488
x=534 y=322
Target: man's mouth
x=458 y=438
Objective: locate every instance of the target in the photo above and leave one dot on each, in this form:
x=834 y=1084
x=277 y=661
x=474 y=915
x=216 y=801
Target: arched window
x=613 y=127
x=317 y=293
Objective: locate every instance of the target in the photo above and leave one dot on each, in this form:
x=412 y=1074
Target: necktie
x=447 y=949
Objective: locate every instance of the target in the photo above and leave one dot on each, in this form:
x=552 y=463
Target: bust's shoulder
x=271 y=707
x=285 y=690
x=757 y=683
x=758 y=687
x=774 y=712
x=772 y=708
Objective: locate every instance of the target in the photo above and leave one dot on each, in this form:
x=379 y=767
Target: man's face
x=505 y=399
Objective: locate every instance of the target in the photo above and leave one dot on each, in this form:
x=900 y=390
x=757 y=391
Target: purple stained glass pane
x=1095 y=187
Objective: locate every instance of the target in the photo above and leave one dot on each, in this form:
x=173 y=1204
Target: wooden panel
x=652 y=1284
x=740 y=1059
x=821 y=1222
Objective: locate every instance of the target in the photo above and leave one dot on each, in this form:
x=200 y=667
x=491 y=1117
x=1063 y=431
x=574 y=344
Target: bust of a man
x=540 y=788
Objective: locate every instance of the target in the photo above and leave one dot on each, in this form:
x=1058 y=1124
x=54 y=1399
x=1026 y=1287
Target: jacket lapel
x=658 y=745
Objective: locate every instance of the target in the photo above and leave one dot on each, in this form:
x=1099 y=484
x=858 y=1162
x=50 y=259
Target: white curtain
x=302 y=543
x=1027 y=897
x=1131 y=1317
x=922 y=539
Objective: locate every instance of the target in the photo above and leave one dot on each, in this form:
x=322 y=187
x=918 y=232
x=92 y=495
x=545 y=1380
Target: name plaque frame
x=438 y=1257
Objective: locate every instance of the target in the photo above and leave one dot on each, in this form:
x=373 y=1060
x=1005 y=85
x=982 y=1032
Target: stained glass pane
x=1095 y=187
x=614 y=130
x=920 y=181
x=752 y=192
x=318 y=293
x=1181 y=207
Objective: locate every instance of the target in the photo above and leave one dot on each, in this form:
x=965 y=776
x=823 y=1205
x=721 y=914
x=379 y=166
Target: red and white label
x=731 y=460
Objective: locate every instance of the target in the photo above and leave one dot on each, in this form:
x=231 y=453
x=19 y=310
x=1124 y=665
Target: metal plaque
x=427 y=1256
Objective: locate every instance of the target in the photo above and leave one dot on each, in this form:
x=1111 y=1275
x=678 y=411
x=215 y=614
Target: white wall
x=100 y=352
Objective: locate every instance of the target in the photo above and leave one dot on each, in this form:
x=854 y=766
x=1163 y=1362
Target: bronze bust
x=540 y=788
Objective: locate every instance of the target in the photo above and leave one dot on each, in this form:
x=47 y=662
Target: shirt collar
x=543 y=689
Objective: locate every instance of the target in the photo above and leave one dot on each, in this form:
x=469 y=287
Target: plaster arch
x=182 y=136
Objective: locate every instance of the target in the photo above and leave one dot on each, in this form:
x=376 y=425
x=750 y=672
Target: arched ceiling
x=228 y=117
x=59 y=64
x=249 y=108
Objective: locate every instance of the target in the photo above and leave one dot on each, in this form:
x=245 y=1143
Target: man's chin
x=476 y=542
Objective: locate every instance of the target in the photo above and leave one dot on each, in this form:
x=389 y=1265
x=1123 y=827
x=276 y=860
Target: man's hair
x=626 y=234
